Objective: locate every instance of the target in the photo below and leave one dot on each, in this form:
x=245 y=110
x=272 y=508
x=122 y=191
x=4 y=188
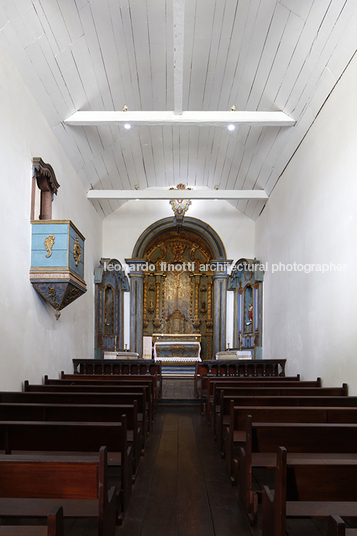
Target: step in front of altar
x=178 y=361
x=182 y=370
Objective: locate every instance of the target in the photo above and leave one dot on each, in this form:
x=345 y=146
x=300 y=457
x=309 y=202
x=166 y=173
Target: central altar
x=177 y=348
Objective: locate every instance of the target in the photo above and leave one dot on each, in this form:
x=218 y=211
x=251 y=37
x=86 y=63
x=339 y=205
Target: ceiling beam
x=178 y=17
x=279 y=119
x=157 y=194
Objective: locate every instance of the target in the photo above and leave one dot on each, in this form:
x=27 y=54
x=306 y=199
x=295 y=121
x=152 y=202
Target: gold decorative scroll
x=49 y=241
x=77 y=252
x=52 y=294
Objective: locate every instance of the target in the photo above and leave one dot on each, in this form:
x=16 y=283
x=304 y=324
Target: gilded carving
x=49 y=241
x=157 y=298
x=77 y=251
x=176 y=286
x=52 y=295
x=178 y=249
x=72 y=295
x=209 y=299
x=157 y=323
x=196 y=323
x=197 y=285
x=177 y=293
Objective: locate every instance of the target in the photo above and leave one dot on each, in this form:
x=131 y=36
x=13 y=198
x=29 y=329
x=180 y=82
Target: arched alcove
x=194 y=225
x=167 y=262
x=110 y=283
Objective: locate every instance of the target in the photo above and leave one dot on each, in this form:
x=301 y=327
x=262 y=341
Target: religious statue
x=249 y=324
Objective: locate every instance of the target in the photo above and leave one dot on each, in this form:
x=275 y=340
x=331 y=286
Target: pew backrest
x=308 y=488
x=29 y=483
x=72 y=437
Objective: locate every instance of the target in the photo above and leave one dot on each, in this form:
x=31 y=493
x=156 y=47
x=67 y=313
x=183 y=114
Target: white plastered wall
x=33 y=342
x=311 y=219
x=122 y=229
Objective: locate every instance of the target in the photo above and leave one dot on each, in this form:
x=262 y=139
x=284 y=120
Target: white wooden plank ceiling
x=178 y=57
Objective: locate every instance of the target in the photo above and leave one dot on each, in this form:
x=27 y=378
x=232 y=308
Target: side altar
x=177 y=348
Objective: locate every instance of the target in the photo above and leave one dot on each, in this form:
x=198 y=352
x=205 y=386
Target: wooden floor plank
x=227 y=515
x=134 y=517
x=182 y=389
x=161 y=515
x=193 y=506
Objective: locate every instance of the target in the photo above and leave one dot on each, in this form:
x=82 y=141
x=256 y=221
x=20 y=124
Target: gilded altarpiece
x=177 y=289
x=246 y=281
x=109 y=306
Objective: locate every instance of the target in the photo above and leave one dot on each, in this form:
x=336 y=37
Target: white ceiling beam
x=164 y=194
x=178 y=18
x=279 y=119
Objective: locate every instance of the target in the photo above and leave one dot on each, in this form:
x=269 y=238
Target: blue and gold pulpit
x=57 y=262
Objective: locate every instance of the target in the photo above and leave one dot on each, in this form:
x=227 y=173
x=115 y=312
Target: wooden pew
x=83 y=398
x=309 y=488
x=207 y=383
x=54 y=526
x=124 y=379
x=214 y=387
x=100 y=388
x=18 y=437
x=235 y=434
x=337 y=527
x=239 y=367
x=119 y=366
x=284 y=390
x=86 y=413
x=300 y=439
x=32 y=485
x=224 y=410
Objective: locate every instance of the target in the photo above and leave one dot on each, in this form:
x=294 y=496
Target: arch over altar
x=179 y=284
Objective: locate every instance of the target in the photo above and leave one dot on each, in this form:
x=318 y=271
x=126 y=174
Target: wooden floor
x=182 y=488
x=179 y=389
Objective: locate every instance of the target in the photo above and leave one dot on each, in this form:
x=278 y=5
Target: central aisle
x=182 y=488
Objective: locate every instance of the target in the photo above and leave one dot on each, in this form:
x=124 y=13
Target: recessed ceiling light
x=127 y=126
x=231 y=127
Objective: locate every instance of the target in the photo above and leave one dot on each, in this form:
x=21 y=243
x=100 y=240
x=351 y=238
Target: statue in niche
x=108 y=310
x=151 y=306
x=249 y=324
x=203 y=310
